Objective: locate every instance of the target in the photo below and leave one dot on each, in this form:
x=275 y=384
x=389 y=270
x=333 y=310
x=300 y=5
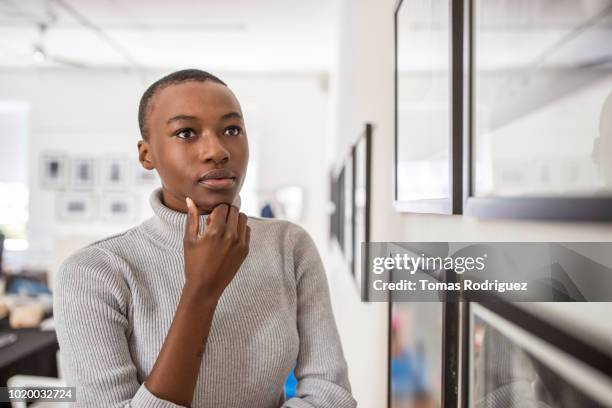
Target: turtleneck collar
x=168 y=225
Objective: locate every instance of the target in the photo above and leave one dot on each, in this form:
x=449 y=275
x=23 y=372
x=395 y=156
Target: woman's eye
x=185 y=133
x=233 y=131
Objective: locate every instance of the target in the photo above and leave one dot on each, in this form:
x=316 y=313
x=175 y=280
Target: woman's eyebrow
x=180 y=117
x=231 y=115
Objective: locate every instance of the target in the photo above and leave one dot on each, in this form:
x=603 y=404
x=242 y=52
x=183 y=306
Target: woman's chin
x=208 y=205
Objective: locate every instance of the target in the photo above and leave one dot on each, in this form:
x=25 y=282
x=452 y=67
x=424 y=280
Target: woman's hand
x=213 y=258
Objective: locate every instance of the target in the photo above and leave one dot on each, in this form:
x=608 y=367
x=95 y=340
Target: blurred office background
x=309 y=75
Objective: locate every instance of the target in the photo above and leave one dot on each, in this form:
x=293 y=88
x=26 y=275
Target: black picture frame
x=508 y=316
x=54 y=170
x=453 y=204
x=453 y=350
x=341 y=205
x=449 y=366
x=337 y=216
x=348 y=221
x=362 y=186
x=115 y=173
x=546 y=208
x=83 y=173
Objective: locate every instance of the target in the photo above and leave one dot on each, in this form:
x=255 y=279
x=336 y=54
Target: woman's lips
x=218 y=184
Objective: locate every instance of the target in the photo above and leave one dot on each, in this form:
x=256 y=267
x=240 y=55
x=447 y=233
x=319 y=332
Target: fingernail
x=187 y=199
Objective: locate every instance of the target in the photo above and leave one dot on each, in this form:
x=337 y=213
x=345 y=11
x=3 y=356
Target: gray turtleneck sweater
x=114 y=301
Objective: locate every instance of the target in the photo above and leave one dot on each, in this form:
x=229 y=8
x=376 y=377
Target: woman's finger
x=218 y=216
x=248 y=236
x=242 y=221
x=232 y=220
x=192 y=226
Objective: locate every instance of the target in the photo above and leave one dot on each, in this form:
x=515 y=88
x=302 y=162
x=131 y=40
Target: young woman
x=200 y=305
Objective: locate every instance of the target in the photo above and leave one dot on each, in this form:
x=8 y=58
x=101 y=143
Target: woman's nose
x=212 y=148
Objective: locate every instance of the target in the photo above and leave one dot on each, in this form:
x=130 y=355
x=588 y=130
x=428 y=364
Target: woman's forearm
x=175 y=373
x=211 y=261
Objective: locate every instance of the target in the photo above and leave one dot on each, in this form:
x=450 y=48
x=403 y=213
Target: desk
x=32 y=354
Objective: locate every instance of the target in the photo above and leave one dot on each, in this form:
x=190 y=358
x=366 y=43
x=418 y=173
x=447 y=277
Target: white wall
x=13 y=141
x=94 y=112
x=363 y=91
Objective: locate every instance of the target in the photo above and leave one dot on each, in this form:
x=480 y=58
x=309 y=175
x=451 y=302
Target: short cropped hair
x=185 y=75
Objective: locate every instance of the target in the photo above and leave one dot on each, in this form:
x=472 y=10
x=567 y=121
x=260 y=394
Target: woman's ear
x=144 y=155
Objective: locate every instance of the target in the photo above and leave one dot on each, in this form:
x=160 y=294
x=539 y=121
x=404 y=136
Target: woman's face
x=193 y=128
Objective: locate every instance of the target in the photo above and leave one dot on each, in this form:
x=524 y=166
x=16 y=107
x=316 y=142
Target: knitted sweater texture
x=114 y=301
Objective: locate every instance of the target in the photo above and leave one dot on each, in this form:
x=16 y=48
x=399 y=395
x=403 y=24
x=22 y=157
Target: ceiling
x=221 y=35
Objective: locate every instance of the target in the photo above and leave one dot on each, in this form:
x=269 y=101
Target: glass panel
x=423 y=89
x=542 y=76
x=506 y=375
x=416 y=355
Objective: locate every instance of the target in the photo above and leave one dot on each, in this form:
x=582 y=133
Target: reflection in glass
x=542 y=74
x=507 y=376
x=423 y=86
x=416 y=355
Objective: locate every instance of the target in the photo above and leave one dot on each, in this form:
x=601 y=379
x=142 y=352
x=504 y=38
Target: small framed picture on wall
x=538 y=121
x=118 y=207
x=83 y=173
x=348 y=223
x=53 y=170
x=75 y=206
x=361 y=207
x=428 y=111
x=115 y=173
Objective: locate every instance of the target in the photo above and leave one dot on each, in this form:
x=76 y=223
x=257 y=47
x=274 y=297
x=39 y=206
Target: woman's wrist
x=198 y=296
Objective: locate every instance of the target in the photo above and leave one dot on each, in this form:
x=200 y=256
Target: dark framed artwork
x=428 y=107
x=362 y=162
x=518 y=359
x=336 y=218
x=538 y=111
x=349 y=220
x=424 y=353
x=339 y=207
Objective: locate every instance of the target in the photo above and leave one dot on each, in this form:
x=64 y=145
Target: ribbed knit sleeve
x=91 y=305
x=321 y=369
